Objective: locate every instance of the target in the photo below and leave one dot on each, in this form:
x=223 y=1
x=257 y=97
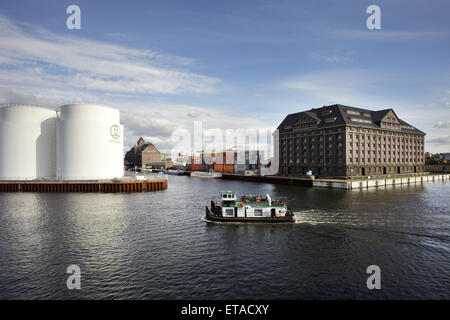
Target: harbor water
x=158 y=246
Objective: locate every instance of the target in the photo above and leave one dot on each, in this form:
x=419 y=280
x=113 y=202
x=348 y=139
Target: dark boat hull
x=213 y=217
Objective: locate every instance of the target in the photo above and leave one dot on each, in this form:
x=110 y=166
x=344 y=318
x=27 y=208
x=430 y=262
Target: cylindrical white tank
x=27 y=143
x=89 y=143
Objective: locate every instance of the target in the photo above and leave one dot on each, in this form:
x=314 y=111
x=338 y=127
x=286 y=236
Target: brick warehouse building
x=142 y=154
x=343 y=141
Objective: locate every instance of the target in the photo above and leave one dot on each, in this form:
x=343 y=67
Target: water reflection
x=156 y=245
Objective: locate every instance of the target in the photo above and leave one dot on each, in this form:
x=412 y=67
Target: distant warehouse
x=339 y=141
x=144 y=155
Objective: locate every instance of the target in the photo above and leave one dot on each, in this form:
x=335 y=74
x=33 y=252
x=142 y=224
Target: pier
x=84 y=187
x=342 y=183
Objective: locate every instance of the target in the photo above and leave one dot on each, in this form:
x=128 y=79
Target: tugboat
x=248 y=209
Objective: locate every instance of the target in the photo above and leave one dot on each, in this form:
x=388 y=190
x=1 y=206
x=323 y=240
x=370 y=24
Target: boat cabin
x=228 y=196
x=250 y=206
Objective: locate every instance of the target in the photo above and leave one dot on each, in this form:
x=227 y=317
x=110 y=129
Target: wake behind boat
x=248 y=209
x=206 y=175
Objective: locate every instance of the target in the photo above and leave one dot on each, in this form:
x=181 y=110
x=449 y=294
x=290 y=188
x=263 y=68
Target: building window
x=360 y=120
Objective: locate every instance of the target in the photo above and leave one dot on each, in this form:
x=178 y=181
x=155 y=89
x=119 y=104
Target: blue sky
x=232 y=64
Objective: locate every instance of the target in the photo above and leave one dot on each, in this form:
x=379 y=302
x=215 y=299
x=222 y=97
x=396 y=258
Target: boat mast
x=269 y=199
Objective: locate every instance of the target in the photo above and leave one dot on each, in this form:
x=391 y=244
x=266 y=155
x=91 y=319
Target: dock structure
x=379 y=182
x=86 y=187
x=342 y=183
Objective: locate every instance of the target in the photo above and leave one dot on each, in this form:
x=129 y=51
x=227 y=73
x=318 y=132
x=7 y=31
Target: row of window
x=381 y=133
x=389 y=160
x=384 y=170
x=389 y=139
x=362 y=145
x=311 y=139
x=350 y=171
x=362 y=152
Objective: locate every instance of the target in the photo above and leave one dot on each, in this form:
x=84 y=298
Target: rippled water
x=157 y=245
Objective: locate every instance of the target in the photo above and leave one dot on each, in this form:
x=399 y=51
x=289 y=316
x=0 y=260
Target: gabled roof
x=377 y=116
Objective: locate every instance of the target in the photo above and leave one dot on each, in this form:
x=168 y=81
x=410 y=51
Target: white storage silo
x=89 y=143
x=27 y=143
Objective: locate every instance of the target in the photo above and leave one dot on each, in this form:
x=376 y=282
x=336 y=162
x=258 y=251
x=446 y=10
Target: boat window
x=258 y=212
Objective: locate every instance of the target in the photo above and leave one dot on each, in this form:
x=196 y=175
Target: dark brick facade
x=142 y=155
x=342 y=141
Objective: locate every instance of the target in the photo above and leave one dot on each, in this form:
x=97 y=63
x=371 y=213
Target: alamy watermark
x=374 y=281
x=74 y=280
x=238 y=146
x=74 y=20
x=374 y=20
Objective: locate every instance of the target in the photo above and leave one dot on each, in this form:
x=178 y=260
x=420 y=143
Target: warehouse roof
x=337 y=114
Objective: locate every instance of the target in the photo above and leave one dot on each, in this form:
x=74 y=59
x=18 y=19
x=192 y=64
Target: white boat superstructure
x=206 y=175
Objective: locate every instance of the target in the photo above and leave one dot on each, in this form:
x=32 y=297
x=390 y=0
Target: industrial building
x=77 y=142
x=144 y=155
x=343 y=141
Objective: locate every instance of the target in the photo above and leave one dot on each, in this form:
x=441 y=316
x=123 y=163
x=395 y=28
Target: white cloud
x=156 y=122
x=355 y=87
x=34 y=57
x=442 y=140
x=446 y=101
x=442 y=124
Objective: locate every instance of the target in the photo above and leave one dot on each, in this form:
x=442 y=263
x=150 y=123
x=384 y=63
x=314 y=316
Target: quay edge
x=340 y=183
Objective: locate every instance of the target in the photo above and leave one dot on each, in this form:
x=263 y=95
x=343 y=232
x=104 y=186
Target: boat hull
x=206 y=176
x=213 y=217
x=175 y=173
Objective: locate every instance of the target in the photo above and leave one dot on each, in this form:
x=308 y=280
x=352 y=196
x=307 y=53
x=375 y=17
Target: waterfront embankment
x=356 y=183
x=98 y=187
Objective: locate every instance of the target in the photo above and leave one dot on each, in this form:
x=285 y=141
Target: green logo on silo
x=115 y=131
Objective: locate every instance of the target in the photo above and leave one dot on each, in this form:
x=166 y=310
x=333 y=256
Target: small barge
x=248 y=209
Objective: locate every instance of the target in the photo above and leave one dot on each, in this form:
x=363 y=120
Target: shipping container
x=229 y=158
x=195 y=160
x=195 y=167
x=228 y=168
x=218 y=158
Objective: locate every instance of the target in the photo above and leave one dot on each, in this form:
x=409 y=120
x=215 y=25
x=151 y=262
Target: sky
x=230 y=64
